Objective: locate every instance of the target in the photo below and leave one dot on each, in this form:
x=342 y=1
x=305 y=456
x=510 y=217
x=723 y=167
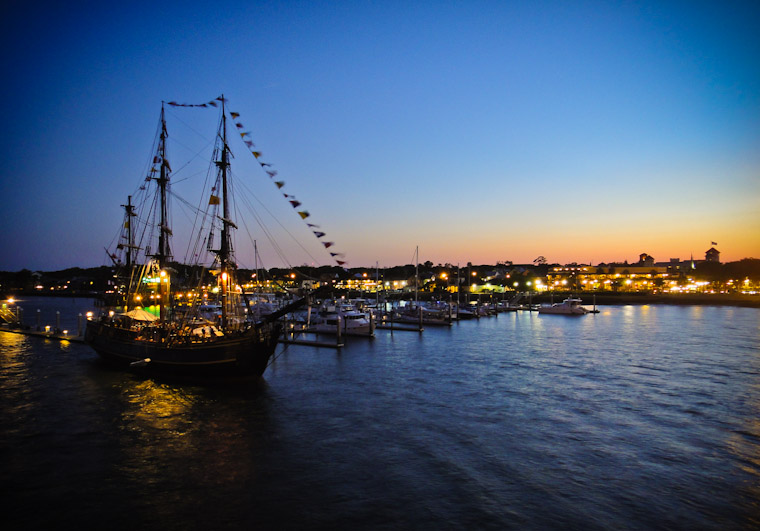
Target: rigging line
x=279 y=223
x=172 y=111
x=199 y=223
x=185 y=202
x=273 y=358
x=267 y=231
x=248 y=231
x=272 y=240
x=186 y=164
x=151 y=156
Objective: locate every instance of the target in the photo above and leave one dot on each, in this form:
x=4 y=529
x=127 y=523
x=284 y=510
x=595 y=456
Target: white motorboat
x=570 y=306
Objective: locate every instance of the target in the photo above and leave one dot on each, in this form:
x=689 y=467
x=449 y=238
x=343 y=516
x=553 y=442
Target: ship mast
x=164 y=252
x=129 y=213
x=225 y=249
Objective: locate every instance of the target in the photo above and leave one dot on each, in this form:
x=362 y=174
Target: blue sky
x=478 y=131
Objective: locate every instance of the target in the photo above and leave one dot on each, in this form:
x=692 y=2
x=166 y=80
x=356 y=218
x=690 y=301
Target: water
x=636 y=418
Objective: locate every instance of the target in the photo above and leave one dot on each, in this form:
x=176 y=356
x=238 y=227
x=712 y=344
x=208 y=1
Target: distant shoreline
x=588 y=298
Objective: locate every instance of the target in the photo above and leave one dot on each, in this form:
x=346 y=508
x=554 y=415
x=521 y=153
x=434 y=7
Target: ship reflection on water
x=183 y=447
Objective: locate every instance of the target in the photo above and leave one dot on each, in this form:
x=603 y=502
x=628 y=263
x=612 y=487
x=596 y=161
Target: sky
x=478 y=131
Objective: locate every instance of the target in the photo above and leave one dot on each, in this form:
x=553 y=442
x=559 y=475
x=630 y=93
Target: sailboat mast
x=416 y=274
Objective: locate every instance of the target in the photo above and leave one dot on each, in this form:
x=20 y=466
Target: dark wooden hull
x=242 y=355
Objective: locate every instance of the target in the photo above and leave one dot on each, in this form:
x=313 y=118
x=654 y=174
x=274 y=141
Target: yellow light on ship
x=224 y=277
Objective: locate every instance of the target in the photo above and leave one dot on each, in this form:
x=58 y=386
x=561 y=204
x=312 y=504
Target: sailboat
x=179 y=339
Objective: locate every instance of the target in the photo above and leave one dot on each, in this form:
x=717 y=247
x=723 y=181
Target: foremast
x=129 y=245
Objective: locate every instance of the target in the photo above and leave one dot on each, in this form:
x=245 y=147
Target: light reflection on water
x=636 y=417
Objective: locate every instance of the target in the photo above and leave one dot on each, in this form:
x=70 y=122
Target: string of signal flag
x=246 y=137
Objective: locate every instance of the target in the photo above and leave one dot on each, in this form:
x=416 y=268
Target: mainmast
x=225 y=249
x=164 y=252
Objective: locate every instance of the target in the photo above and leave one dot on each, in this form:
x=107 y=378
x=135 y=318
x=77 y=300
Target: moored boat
x=570 y=306
x=344 y=317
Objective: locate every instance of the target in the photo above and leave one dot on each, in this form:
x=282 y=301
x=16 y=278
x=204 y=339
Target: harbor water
x=639 y=417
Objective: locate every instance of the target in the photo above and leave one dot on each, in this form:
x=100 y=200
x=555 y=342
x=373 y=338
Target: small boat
x=570 y=306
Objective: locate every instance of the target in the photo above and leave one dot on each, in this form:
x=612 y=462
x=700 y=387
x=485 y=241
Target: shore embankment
x=607 y=298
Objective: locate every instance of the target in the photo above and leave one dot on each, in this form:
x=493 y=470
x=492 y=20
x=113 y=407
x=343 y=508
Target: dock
x=312 y=343
x=59 y=336
x=394 y=327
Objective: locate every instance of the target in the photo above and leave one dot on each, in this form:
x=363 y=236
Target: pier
x=60 y=336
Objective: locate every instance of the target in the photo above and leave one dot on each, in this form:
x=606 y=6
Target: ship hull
x=242 y=355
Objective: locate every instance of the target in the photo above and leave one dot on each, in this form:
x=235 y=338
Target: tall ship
x=159 y=322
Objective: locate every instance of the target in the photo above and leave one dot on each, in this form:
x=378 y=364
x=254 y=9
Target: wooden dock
x=44 y=334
